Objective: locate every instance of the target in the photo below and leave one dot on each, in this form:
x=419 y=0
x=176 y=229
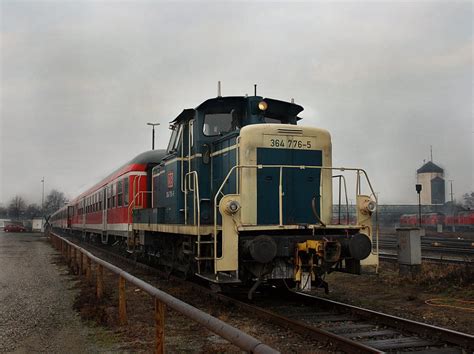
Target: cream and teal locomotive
x=244 y=195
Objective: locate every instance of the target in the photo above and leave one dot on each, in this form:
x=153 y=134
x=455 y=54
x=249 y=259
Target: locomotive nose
x=357 y=247
x=261 y=249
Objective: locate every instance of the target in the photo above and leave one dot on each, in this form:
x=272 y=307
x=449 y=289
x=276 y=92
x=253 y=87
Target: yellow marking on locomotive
x=309 y=248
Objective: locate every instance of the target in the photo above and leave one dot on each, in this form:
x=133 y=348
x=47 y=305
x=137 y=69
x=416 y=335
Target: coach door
x=83 y=221
x=104 y=209
x=70 y=213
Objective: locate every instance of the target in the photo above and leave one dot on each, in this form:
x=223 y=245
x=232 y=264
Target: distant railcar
x=463 y=220
x=407 y=220
x=431 y=220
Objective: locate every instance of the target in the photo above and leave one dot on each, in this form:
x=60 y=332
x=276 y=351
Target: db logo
x=170 y=179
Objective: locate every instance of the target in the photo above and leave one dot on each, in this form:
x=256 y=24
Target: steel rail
x=430 y=331
x=393 y=257
x=342 y=343
x=226 y=331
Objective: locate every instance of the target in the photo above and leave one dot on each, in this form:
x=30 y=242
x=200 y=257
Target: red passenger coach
x=409 y=220
x=106 y=208
x=465 y=220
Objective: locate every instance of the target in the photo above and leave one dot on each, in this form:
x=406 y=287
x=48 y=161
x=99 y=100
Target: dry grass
x=438 y=276
x=434 y=277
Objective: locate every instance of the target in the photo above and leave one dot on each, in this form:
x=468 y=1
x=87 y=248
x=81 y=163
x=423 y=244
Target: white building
x=431 y=178
x=37 y=225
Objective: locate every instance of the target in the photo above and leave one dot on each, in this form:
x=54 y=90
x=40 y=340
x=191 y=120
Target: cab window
x=175 y=137
x=216 y=124
x=272 y=120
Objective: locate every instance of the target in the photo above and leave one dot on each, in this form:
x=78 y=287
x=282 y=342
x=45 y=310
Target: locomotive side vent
x=290 y=131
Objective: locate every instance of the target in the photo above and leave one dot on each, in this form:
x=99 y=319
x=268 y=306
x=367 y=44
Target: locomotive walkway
x=36 y=298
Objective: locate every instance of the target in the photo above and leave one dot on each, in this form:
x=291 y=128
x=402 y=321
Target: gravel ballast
x=36 y=297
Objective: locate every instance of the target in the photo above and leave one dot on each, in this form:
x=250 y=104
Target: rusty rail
x=464 y=340
x=235 y=336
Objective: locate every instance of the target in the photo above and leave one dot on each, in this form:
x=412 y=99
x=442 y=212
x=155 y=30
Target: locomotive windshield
x=273 y=120
x=216 y=124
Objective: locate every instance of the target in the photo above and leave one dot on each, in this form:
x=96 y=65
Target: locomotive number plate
x=289 y=142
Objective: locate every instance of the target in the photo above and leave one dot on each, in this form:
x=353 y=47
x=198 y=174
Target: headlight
x=367 y=207
x=371 y=206
x=262 y=105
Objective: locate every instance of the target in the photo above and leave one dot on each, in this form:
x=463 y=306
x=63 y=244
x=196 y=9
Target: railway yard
x=51 y=307
x=233 y=177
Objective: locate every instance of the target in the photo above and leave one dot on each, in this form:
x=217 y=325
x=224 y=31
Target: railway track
x=341 y=326
x=393 y=257
x=434 y=245
x=369 y=329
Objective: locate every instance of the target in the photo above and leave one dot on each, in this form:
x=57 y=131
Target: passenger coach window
x=218 y=124
x=119 y=193
x=125 y=191
x=109 y=198
x=114 y=192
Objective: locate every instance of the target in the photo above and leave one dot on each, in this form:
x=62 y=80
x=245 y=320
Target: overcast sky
x=79 y=81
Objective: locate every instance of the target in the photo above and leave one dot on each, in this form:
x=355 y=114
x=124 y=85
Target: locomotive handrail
x=196 y=196
x=345 y=194
x=132 y=203
x=197 y=205
x=280 y=189
x=221 y=328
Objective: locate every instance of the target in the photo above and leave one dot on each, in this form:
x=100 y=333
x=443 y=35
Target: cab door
x=70 y=214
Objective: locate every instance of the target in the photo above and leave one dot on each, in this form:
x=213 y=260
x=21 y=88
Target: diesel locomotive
x=243 y=195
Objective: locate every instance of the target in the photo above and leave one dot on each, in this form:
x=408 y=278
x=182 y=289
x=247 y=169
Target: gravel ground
x=36 y=298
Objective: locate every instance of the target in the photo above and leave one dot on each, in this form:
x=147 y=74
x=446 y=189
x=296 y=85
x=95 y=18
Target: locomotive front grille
x=290 y=131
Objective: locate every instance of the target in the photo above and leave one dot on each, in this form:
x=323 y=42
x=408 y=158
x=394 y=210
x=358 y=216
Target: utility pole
x=42 y=196
x=153 y=134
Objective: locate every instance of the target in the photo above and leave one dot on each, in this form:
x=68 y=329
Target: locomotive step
x=220 y=278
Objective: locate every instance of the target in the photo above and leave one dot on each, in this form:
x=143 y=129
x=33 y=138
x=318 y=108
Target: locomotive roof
x=276 y=108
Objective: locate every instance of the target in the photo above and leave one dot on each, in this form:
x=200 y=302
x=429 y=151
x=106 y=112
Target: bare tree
x=468 y=200
x=16 y=207
x=54 y=201
x=3 y=212
x=33 y=210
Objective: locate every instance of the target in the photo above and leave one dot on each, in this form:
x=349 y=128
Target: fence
x=72 y=252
